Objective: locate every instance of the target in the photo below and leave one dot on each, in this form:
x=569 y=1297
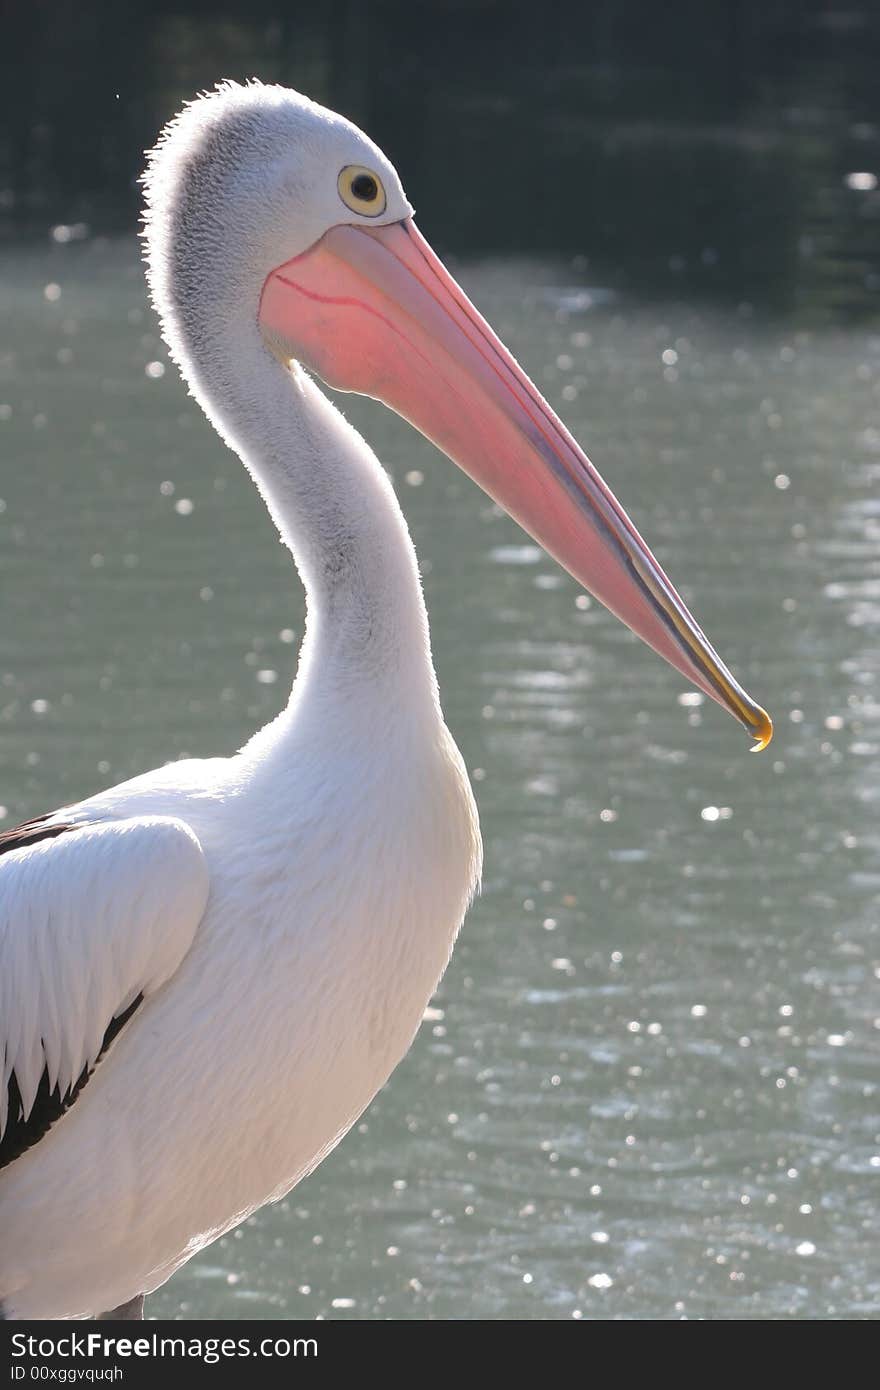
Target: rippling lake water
x=647 y=1085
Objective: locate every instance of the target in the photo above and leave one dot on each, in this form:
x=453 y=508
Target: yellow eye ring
x=361 y=190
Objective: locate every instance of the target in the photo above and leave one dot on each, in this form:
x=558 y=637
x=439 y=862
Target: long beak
x=373 y=310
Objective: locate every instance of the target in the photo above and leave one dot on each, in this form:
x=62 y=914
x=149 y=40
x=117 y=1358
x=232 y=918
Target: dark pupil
x=363 y=186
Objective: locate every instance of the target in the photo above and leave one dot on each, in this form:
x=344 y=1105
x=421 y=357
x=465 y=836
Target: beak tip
x=761 y=729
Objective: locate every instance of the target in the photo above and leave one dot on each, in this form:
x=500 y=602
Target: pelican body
x=207 y=973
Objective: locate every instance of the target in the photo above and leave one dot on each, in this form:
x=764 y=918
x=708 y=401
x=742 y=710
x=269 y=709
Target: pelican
x=207 y=972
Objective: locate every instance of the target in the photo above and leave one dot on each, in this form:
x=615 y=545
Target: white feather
x=88 y=921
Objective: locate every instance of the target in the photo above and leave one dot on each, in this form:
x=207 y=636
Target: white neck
x=336 y=511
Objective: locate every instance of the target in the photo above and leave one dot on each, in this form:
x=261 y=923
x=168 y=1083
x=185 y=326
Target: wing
x=93 y=919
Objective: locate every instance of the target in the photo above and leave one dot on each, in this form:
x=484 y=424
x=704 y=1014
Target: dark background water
x=702 y=147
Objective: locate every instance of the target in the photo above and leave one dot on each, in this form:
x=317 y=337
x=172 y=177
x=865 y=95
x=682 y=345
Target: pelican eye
x=365 y=188
x=361 y=190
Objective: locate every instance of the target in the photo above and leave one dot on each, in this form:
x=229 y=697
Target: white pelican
x=207 y=972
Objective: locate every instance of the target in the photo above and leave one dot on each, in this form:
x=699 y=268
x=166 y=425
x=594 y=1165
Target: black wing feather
x=30 y=831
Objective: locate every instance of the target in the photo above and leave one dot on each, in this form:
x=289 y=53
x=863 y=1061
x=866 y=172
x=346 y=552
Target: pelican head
x=297 y=228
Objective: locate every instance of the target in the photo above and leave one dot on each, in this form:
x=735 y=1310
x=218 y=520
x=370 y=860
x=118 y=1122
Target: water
x=646 y=1088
